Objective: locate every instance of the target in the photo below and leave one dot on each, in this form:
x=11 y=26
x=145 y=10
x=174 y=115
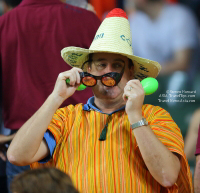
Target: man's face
x=104 y=63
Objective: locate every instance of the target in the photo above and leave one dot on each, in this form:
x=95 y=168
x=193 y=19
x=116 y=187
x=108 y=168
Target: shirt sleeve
x=51 y=143
x=170 y=135
x=56 y=132
x=165 y=128
x=198 y=144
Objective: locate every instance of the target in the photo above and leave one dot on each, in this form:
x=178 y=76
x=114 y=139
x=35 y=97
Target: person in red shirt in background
x=5 y=6
x=31 y=37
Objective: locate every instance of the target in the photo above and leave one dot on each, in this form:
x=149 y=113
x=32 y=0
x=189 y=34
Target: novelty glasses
x=110 y=79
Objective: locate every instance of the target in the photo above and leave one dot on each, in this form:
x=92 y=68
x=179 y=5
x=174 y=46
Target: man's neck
x=109 y=106
x=154 y=9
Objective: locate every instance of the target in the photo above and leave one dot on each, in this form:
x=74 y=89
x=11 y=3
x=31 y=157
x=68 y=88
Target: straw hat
x=113 y=36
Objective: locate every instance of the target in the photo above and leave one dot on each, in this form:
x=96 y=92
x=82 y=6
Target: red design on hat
x=117 y=12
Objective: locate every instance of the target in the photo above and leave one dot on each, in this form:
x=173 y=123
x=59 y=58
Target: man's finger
x=2 y=156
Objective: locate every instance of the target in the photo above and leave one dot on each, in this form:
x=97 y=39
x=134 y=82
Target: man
x=113 y=143
x=32 y=36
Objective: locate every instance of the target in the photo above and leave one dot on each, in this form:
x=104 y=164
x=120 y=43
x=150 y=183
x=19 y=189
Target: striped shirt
x=114 y=165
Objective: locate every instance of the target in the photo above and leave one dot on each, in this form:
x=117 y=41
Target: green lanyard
x=104 y=131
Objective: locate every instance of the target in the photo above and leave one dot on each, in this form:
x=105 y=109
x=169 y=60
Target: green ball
x=68 y=81
x=81 y=87
x=150 y=85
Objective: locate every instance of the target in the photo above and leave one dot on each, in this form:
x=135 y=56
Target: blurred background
x=167 y=32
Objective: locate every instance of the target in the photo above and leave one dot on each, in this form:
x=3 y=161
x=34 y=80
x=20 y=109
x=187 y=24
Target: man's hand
x=62 y=91
x=134 y=97
x=4 y=139
x=2 y=152
x=28 y=145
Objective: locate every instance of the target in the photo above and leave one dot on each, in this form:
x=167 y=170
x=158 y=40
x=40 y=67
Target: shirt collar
x=31 y=2
x=90 y=106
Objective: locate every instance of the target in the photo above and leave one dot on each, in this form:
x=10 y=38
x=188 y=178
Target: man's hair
x=45 y=180
x=12 y=3
x=130 y=63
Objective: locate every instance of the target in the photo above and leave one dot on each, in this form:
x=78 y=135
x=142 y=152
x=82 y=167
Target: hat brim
x=143 y=68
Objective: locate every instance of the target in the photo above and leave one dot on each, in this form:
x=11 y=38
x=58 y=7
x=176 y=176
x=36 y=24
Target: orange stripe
x=113 y=164
x=103 y=168
x=95 y=185
x=85 y=161
x=129 y=161
x=121 y=159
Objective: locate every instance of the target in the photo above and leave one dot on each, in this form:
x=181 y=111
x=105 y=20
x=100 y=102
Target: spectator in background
x=10 y=4
x=7 y=5
x=192 y=134
x=168 y=34
x=3 y=140
x=31 y=37
x=172 y=34
x=43 y=180
x=194 y=5
x=197 y=169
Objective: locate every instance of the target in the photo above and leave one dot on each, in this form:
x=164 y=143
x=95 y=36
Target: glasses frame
x=115 y=75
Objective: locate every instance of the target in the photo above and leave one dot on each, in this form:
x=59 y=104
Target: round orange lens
x=108 y=81
x=88 y=81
